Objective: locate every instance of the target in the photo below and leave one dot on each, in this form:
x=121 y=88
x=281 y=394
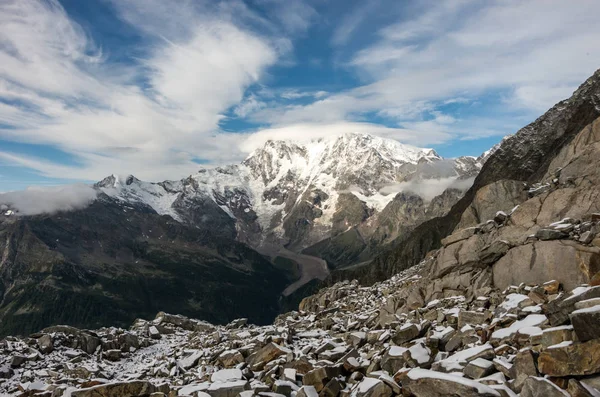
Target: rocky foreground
x=536 y=340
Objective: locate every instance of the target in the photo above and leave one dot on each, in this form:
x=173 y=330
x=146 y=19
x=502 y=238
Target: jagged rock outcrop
x=554 y=160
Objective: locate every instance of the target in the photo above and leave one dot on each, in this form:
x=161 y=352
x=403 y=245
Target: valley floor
x=311 y=267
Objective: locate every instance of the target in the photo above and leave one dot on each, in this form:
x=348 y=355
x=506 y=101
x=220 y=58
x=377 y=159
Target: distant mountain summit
x=297 y=194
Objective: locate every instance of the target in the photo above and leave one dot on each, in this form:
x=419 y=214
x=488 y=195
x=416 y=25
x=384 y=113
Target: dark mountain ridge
x=109 y=264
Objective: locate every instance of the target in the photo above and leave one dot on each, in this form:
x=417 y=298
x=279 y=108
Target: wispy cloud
x=152 y=116
x=308 y=131
x=428 y=189
x=47 y=200
x=295 y=16
x=521 y=57
x=432 y=72
x=350 y=22
x=296 y=94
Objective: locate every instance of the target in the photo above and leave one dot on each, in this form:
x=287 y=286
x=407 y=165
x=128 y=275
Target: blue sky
x=155 y=87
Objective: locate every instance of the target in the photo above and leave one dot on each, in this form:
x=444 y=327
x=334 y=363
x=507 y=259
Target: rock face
x=585 y=322
x=535 y=387
x=571 y=360
x=549 y=169
x=569 y=261
x=424 y=383
x=265 y=355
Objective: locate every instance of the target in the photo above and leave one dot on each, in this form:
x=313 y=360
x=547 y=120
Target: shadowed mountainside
x=109 y=264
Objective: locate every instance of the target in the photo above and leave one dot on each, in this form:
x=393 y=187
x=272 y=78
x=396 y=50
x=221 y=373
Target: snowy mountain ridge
x=296 y=182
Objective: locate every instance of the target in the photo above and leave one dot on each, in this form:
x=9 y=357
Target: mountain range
x=217 y=243
x=295 y=195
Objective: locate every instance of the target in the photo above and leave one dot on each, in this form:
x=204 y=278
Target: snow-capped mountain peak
x=357 y=143
x=286 y=182
x=337 y=156
x=115 y=181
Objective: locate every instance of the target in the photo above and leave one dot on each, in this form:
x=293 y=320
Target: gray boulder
x=425 y=383
x=586 y=323
x=45 y=343
x=136 y=388
x=550 y=234
x=540 y=387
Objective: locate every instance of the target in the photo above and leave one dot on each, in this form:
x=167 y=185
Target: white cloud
x=296 y=16
x=249 y=105
x=48 y=200
x=147 y=118
x=304 y=132
x=428 y=188
x=350 y=23
x=155 y=117
x=534 y=52
x=210 y=72
x=297 y=94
